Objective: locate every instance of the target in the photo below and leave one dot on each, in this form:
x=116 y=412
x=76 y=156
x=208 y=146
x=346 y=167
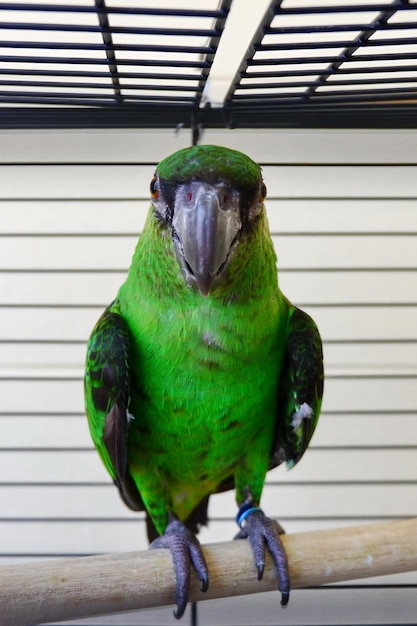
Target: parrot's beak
x=206 y=224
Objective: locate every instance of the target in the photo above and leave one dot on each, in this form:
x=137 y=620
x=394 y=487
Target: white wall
x=343 y=213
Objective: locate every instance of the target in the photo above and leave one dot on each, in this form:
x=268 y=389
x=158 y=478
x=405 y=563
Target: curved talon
x=181 y=606
x=186 y=551
x=261 y=567
x=284 y=598
x=178 y=613
x=263 y=533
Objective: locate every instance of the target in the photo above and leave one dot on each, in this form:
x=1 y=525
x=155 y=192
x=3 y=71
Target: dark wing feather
x=300 y=390
x=107 y=381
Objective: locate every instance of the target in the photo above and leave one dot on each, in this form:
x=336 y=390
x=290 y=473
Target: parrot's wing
x=300 y=390
x=107 y=398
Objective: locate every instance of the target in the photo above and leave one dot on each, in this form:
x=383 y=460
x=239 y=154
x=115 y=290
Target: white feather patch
x=305 y=412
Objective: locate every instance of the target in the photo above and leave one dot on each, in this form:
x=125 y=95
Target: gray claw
x=261 y=567
x=284 y=599
x=186 y=551
x=263 y=533
x=204 y=584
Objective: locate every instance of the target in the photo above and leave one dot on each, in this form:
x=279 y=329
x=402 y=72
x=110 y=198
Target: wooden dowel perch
x=83 y=587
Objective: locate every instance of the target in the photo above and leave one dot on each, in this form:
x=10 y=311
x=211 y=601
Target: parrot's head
x=207 y=197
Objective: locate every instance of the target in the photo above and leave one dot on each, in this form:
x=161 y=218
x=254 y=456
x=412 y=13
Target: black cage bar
x=348 y=64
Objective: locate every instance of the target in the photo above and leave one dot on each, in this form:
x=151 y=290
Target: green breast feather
x=200 y=379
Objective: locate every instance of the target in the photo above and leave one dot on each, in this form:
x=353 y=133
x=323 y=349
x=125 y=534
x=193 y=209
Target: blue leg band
x=244 y=511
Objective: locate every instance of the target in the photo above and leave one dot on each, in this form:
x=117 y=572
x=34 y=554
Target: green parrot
x=201 y=376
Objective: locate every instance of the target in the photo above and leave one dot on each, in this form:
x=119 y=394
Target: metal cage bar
x=357 y=60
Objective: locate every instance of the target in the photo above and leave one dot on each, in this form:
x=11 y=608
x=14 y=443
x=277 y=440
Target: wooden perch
x=83 y=587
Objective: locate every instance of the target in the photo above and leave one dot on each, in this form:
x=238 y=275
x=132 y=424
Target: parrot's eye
x=154 y=186
x=263 y=192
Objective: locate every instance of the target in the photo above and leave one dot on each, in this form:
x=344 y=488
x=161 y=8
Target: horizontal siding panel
x=340 y=181
x=40 y=396
x=63 y=217
x=388 y=358
x=40 y=253
x=72 y=538
x=359 y=394
x=310 y=607
x=42 y=359
x=86 y=145
x=75 y=181
x=130 y=181
x=366 y=430
x=321 y=287
x=323 y=465
x=348 y=430
x=102 y=536
x=338 y=607
x=328 y=500
x=282 y=146
x=37 y=431
x=283 y=501
x=316 y=288
x=340 y=215
x=59 y=289
x=286 y=215
x=115 y=253
x=66 y=502
x=81 y=537
x=61 y=466
x=47 y=324
x=319 y=145
x=347 y=323
x=224 y=530
x=372 y=394
x=346 y=252
x=347 y=465
x=25 y=359
x=90 y=537
x=350 y=323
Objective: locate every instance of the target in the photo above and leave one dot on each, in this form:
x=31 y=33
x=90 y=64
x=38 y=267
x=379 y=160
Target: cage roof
x=132 y=63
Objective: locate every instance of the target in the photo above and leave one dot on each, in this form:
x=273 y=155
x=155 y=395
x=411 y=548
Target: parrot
x=201 y=376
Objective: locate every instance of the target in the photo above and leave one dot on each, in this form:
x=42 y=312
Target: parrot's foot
x=263 y=533
x=186 y=551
